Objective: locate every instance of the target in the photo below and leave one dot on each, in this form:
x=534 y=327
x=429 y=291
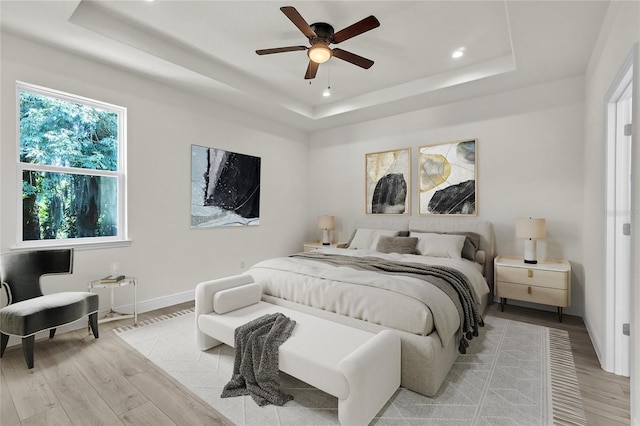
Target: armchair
x=29 y=311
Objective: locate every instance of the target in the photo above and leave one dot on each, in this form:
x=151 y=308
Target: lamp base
x=530 y=252
x=325 y=237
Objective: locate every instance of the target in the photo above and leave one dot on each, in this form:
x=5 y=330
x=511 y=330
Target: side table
x=547 y=282
x=113 y=315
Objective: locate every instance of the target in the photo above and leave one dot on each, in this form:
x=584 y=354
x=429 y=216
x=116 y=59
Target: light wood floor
x=78 y=380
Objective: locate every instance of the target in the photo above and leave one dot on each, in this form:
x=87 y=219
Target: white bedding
x=349 y=292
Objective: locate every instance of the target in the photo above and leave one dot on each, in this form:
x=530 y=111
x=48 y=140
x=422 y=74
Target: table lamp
x=530 y=229
x=326 y=223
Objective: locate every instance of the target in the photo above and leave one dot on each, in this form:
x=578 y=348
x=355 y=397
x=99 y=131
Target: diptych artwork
x=225 y=188
x=447 y=174
x=388 y=182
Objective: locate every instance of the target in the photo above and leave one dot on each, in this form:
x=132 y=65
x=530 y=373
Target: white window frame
x=121 y=239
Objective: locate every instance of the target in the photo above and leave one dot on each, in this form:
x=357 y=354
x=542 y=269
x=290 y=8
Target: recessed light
x=458 y=53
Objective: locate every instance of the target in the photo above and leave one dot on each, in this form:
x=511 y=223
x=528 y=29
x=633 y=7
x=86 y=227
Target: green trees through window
x=70 y=163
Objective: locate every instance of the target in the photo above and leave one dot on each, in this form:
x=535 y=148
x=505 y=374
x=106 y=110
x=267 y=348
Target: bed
x=378 y=282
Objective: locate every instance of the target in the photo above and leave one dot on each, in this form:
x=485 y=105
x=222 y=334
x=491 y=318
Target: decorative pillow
x=439 y=245
x=471 y=243
x=402 y=245
x=366 y=238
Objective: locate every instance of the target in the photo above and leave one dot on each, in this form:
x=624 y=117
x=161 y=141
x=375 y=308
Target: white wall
x=530 y=163
x=620 y=31
x=168 y=256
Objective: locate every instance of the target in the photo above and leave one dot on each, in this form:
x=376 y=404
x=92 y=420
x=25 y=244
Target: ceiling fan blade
x=298 y=20
x=280 y=50
x=368 y=23
x=312 y=69
x=353 y=58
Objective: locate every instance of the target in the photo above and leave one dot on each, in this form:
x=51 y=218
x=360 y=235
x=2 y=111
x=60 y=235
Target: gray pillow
x=402 y=245
x=471 y=245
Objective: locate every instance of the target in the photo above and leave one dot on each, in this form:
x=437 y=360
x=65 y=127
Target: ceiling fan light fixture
x=458 y=53
x=319 y=53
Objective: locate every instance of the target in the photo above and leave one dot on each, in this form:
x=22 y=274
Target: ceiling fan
x=321 y=35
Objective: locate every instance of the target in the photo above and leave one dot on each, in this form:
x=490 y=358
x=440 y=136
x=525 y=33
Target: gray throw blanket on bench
x=255 y=368
x=451 y=281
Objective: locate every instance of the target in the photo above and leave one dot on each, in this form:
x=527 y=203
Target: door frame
x=613 y=360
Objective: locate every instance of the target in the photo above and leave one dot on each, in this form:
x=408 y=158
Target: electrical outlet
x=242 y=265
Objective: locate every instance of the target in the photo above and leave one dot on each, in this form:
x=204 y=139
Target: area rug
x=512 y=374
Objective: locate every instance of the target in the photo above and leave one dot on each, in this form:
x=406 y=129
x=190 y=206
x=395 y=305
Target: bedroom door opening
x=618 y=245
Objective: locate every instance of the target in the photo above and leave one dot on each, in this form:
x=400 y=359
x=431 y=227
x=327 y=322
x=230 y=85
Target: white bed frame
x=425 y=361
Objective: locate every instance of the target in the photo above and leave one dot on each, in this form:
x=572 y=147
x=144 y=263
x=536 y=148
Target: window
x=72 y=163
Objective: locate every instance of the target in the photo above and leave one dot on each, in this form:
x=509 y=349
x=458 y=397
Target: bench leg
x=27 y=347
x=93 y=323
x=3 y=344
x=373 y=373
x=52 y=332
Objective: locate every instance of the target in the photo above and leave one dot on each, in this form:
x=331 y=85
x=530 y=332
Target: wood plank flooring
x=78 y=380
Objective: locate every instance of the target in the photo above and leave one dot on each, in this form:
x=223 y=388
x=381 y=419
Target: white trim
x=635 y=242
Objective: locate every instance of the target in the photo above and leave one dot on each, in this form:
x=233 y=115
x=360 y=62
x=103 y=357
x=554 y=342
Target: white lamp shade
x=326 y=222
x=531 y=228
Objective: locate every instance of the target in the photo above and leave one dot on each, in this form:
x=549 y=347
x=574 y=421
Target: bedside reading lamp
x=531 y=229
x=325 y=223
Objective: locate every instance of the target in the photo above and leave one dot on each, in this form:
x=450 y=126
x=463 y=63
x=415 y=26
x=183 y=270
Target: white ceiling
x=209 y=47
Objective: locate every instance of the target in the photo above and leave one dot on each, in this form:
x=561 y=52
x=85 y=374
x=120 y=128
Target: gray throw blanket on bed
x=255 y=368
x=451 y=281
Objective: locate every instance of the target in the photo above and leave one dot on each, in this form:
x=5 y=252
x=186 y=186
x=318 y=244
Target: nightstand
x=547 y=282
x=313 y=245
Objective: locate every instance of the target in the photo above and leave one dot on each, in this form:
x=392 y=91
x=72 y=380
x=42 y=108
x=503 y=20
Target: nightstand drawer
x=529 y=293
x=534 y=277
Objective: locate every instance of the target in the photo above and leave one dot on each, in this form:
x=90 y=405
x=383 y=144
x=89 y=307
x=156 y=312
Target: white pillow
x=366 y=238
x=439 y=245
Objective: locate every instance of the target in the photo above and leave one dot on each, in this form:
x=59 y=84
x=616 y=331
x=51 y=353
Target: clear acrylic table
x=113 y=314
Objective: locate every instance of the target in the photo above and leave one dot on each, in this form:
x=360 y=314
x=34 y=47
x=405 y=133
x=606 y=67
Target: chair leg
x=52 y=332
x=3 y=344
x=27 y=347
x=93 y=323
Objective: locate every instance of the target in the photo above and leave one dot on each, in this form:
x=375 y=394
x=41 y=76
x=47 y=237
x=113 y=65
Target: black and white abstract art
x=447 y=174
x=225 y=188
x=388 y=182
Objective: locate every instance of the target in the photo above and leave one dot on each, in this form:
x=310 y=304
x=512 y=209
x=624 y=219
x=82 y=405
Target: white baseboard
x=157 y=303
x=595 y=341
x=143 y=306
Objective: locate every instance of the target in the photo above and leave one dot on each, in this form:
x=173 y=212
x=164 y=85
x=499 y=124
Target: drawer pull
x=529 y=273
x=529 y=290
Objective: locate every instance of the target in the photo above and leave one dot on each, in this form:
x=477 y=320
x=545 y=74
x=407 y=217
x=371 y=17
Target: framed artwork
x=388 y=182
x=225 y=188
x=447 y=174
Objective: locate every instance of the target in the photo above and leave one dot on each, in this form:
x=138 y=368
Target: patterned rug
x=512 y=374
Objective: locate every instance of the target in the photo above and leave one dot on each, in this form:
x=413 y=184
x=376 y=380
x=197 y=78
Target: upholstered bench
x=360 y=368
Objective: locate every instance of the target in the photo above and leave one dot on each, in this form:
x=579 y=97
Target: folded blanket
x=255 y=368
